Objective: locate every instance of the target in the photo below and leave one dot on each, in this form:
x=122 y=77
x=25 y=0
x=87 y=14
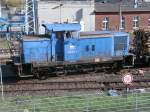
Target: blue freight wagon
x=68 y=50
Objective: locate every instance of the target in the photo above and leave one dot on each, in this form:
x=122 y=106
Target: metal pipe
x=2 y=89
x=120 y=17
x=60 y=11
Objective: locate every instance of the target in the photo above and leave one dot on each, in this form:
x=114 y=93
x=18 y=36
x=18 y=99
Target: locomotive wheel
x=41 y=76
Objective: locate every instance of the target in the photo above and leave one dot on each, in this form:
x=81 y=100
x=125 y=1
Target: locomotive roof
x=62 y=27
x=101 y=34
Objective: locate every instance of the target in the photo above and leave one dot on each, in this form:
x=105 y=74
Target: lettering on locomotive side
x=72 y=46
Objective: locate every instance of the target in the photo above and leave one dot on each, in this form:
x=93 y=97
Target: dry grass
x=4 y=44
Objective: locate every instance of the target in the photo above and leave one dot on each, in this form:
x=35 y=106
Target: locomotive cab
x=61 y=36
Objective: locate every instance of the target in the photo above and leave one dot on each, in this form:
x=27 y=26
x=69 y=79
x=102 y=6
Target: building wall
x=114 y=20
x=49 y=12
x=147 y=0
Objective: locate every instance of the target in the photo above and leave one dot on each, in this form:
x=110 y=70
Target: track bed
x=82 y=82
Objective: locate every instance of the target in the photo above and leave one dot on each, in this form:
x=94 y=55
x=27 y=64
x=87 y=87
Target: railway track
x=71 y=86
x=84 y=82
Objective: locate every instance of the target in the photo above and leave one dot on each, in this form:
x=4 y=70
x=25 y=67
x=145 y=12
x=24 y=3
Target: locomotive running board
x=25 y=76
x=128 y=67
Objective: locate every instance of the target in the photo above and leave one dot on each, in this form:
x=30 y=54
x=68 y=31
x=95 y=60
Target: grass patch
x=84 y=103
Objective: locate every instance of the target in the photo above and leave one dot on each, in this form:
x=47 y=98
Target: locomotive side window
x=93 y=47
x=87 y=48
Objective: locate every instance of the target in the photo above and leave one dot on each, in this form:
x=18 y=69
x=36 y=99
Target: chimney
x=0 y=9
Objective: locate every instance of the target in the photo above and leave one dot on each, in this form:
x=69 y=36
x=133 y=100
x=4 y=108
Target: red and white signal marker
x=127 y=78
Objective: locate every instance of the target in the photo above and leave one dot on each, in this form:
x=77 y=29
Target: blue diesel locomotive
x=66 y=50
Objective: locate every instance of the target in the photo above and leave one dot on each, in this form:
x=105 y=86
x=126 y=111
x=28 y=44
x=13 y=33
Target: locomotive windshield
x=70 y=34
x=65 y=34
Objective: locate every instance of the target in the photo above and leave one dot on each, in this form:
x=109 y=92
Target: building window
x=149 y=22
x=135 y=22
x=122 y=23
x=105 y=23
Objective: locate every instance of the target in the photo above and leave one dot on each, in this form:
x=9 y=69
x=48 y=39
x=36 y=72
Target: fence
x=133 y=102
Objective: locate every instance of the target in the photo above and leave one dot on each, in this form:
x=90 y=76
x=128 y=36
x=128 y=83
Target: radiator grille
x=120 y=43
